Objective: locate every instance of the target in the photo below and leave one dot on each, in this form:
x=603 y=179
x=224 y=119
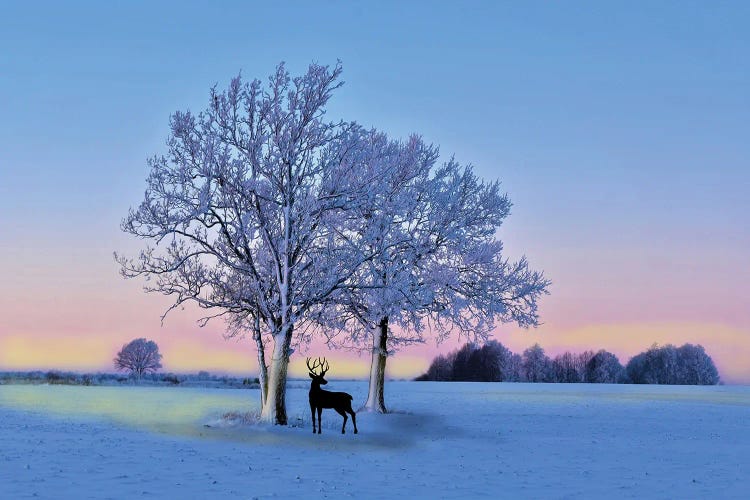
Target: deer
x=319 y=398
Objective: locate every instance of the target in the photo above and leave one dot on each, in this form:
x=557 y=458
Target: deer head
x=322 y=366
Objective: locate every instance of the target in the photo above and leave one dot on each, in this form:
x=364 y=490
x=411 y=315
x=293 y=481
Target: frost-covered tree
x=537 y=367
x=491 y=362
x=247 y=212
x=513 y=370
x=438 y=267
x=571 y=368
x=581 y=361
x=564 y=368
x=139 y=356
x=441 y=369
x=605 y=368
x=657 y=365
x=388 y=227
x=637 y=370
x=463 y=370
x=668 y=364
x=696 y=367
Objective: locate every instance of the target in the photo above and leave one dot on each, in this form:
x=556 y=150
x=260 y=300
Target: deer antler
x=311 y=368
x=322 y=364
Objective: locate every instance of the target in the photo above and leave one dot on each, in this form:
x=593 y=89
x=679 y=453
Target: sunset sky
x=620 y=131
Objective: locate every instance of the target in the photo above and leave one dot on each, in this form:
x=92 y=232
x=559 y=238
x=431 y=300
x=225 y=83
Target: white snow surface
x=443 y=440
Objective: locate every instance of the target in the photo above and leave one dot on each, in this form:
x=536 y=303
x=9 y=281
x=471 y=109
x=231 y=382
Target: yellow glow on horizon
x=728 y=346
x=349 y=366
x=30 y=352
x=191 y=356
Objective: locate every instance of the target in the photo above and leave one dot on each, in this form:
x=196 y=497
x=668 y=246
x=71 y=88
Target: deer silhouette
x=319 y=399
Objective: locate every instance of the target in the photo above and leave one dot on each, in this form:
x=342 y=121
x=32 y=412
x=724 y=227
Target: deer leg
x=320 y=422
x=312 y=412
x=354 y=418
x=343 y=414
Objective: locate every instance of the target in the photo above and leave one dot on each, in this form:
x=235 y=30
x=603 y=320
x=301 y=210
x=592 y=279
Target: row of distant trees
x=493 y=362
x=201 y=379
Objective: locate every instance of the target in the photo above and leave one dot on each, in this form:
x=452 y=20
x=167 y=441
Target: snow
x=452 y=440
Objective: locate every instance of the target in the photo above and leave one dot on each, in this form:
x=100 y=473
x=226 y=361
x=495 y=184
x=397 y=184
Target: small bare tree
x=139 y=356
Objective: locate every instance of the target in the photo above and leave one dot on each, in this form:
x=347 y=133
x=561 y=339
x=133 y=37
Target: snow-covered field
x=446 y=440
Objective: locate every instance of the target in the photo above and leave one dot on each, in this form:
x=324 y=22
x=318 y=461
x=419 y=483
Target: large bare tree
x=247 y=212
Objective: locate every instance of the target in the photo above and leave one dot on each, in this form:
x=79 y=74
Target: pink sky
x=77 y=316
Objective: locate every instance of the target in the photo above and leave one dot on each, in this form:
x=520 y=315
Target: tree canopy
x=139 y=356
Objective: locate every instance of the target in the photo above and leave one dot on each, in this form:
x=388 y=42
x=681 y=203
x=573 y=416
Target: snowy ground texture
x=447 y=440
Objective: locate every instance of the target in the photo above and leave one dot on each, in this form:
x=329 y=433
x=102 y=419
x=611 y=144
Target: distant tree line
x=201 y=379
x=493 y=362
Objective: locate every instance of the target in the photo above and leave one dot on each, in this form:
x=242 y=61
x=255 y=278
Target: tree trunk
x=375 y=400
x=262 y=368
x=274 y=409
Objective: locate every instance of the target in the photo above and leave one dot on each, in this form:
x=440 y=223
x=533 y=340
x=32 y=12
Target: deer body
x=320 y=399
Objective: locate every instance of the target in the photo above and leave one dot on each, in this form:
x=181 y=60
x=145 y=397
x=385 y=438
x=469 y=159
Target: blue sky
x=619 y=129
x=597 y=97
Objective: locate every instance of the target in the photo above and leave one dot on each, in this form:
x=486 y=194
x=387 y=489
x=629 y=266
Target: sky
x=618 y=129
